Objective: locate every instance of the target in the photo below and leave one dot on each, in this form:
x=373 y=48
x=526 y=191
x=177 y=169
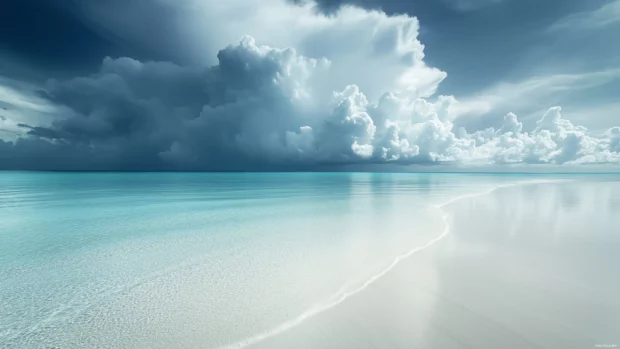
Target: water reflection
x=210 y=259
x=532 y=266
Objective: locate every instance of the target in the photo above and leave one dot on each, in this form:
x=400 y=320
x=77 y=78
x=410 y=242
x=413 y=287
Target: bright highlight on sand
x=342 y=296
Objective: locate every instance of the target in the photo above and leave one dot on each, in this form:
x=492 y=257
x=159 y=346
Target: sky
x=309 y=84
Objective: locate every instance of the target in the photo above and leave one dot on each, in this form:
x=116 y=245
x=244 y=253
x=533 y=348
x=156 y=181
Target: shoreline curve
x=340 y=297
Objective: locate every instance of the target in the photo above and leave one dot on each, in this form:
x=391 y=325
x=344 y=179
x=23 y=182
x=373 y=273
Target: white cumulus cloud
x=349 y=88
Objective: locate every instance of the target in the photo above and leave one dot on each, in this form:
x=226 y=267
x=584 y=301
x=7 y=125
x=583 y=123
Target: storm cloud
x=352 y=88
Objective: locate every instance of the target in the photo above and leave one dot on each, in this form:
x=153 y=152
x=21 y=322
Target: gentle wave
x=342 y=296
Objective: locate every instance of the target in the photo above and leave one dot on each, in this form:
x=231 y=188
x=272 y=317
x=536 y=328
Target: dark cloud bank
x=254 y=111
x=265 y=108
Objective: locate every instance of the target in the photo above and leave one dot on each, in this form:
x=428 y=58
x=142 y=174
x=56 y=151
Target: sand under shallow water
x=532 y=266
x=309 y=261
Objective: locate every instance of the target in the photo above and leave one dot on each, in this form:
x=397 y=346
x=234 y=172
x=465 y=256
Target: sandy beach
x=342 y=261
x=532 y=266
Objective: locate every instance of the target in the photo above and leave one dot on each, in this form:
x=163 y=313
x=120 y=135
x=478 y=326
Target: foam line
x=342 y=296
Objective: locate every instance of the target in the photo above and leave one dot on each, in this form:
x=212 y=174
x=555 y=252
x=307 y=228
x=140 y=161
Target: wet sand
x=533 y=266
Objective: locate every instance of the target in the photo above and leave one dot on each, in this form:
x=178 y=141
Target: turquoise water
x=92 y=260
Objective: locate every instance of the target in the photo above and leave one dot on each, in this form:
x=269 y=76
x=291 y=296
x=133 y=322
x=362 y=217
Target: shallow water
x=191 y=260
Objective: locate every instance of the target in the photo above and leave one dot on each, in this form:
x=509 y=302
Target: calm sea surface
x=150 y=260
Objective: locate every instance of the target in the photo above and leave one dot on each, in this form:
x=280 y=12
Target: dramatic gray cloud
x=262 y=107
x=349 y=88
x=482 y=44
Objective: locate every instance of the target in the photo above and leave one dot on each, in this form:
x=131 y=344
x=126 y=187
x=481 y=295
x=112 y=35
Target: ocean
x=309 y=260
